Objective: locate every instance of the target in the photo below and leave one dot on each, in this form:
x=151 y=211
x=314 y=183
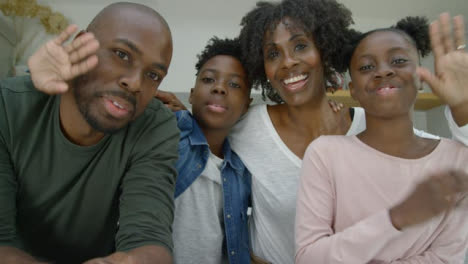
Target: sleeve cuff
x=459 y=134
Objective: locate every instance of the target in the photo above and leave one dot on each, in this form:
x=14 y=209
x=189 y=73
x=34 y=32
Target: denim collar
x=197 y=138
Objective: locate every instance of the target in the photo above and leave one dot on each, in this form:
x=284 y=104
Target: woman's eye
x=272 y=54
x=122 y=55
x=366 y=67
x=154 y=76
x=300 y=47
x=207 y=80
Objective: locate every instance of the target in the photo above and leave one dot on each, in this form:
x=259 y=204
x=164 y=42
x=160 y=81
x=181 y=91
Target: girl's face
x=293 y=64
x=383 y=74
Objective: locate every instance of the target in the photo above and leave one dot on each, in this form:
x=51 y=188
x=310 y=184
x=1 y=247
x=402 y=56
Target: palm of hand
x=453 y=76
x=50 y=66
x=55 y=63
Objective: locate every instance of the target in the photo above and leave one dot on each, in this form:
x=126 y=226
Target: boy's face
x=221 y=93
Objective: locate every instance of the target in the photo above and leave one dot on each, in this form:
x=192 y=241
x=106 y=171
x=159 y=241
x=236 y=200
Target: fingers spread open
x=436 y=42
x=459 y=31
x=426 y=76
x=79 y=42
x=84 y=66
x=86 y=49
x=447 y=35
x=66 y=34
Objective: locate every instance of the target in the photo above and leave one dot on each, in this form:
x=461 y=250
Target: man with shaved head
x=86 y=154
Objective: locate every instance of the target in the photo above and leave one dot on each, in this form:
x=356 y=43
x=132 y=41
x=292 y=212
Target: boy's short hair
x=216 y=47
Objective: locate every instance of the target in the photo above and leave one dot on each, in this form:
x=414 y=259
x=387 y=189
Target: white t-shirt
x=275 y=176
x=198 y=228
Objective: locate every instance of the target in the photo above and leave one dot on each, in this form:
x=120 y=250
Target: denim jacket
x=236 y=179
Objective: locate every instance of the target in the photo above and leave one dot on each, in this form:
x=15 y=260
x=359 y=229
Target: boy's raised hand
x=450 y=81
x=56 y=63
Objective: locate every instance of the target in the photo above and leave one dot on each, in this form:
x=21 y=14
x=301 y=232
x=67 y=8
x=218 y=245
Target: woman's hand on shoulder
x=170 y=100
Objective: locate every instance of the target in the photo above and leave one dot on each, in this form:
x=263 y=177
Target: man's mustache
x=127 y=96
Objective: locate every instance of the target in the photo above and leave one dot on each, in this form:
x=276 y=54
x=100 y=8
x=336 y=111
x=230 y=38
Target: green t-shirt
x=66 y=203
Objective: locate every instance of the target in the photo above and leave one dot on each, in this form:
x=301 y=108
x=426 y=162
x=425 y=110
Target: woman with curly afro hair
x=389 y=195
x=291 y=50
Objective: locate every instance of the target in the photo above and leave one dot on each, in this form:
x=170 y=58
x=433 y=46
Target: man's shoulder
x=157 y=110
x=156 y=121
x=16 y=85
x=19 y=99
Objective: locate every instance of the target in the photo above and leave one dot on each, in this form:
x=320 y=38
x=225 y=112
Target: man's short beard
x=94 y=123
x=84 y=106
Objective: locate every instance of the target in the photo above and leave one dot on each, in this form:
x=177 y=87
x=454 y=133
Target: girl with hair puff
x=389 y=195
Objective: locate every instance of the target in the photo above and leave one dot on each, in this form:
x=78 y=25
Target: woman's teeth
x=295 y=79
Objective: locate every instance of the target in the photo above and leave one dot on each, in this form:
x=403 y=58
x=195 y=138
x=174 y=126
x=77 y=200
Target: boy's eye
x=234 y=85
x=121 y=55
x=366 y=67
x=207 y=80
x=154 y=76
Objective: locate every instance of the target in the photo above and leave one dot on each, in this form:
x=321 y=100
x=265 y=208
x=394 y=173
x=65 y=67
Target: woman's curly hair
x=413 y=29
x=326 y=21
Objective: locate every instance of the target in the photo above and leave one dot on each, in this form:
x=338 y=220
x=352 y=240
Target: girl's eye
x=234 y=85
x=300 y=47
x=154 y=76
x=366 y=67
x=207 y=80
x=122 y=55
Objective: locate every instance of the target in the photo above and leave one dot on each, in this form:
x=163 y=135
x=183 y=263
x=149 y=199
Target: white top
x=198 y=228
x=342 y=207
x=275 y=175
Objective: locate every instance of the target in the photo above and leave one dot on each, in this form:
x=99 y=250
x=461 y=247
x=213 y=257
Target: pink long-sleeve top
x=345 y=193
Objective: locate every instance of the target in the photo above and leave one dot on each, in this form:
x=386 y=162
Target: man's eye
x=121 y=55
x=154 y=76
x=399 y=61
x=207 y=80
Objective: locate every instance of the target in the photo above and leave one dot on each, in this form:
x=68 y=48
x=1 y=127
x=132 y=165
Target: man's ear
x=190 y=97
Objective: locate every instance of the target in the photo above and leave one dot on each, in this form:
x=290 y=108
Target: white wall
x=194 y=22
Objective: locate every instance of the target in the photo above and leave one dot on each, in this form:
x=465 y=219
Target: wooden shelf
x=424 y=101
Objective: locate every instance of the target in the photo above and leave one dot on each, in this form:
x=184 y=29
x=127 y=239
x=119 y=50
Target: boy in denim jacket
x=213 y=187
